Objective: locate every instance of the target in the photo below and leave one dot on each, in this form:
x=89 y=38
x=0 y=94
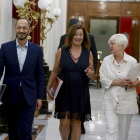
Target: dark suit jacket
x=31 y=77
x=92 y=47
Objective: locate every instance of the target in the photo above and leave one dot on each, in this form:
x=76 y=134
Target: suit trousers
x=117 y=125
x=20 y=118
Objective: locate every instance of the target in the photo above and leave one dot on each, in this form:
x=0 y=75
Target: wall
x=13 y=28
x=53 y=36
x=6 y=22
x=109 y=26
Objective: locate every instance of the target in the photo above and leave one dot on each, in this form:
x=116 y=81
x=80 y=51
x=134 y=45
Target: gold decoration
x=28 y=13
x=31 y=15
x=45 y=20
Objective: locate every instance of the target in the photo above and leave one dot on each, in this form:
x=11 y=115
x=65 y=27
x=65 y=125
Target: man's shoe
x=69 y=138
x=83 y=131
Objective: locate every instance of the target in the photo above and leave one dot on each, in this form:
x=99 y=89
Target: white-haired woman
x=119 y=101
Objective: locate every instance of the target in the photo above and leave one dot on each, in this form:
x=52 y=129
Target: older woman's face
x=78 y=37
x=115 y=48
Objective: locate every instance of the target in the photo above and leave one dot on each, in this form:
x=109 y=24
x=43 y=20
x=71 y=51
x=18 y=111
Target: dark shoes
x=69 y=138
x=83 y=131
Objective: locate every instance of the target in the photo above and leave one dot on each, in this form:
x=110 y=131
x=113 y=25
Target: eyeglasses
x=111 y=44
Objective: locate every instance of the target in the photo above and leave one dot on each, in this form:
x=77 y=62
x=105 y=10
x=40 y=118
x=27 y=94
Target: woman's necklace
x=73 y=56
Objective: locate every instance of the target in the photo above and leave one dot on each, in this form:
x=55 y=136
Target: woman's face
x=78 y=37
x=115 y=48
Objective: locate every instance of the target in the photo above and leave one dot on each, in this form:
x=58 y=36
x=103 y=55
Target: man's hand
x=38 y=104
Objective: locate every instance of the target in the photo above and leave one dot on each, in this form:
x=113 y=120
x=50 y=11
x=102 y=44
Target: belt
x=20 y=88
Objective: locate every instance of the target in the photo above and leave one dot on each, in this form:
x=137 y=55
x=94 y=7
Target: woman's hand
x=133 y=84
x=89 y=72
x=54 y=73
x=50 y=94
x=126 y=82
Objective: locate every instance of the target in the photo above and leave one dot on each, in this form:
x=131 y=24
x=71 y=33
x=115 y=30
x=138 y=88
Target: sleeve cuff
x=107 y=84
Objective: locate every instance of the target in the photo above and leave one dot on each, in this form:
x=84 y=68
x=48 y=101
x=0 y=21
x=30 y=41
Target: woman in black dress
x=72 y=105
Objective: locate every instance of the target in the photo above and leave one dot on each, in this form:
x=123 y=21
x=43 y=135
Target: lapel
x=14 y=54
x=29 y=54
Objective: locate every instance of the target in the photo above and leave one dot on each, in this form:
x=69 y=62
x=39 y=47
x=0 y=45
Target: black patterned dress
x=73 y=98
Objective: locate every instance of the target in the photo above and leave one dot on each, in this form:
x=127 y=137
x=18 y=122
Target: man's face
x=22 y=29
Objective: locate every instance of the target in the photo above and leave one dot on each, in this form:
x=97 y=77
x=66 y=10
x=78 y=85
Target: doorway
x=103 y=29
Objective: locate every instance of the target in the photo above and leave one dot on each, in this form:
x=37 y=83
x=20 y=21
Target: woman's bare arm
x=90 y=69
x=54 y=72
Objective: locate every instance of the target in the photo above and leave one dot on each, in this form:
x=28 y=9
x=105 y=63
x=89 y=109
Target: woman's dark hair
x=85 y=44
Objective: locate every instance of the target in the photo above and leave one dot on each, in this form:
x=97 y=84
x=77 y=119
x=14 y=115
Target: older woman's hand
x=126 y=82
x=50 y=94
x=133 y=84
x=89 y=72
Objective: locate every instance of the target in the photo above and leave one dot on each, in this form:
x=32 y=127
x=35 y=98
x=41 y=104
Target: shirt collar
x=17 y=44
x=125 y=57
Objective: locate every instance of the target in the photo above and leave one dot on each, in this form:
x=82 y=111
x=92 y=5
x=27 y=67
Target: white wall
x=6 y=22
x=58 y=29
x=13 y=29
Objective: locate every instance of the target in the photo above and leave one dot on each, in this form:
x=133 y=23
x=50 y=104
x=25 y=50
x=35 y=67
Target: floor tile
x=95 y=129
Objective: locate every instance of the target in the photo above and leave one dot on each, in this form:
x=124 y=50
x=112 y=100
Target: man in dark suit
x=24 y=77
x=91 y=38
x=92 y=49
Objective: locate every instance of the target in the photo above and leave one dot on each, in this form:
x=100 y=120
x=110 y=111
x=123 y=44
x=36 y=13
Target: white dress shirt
x=21 y=54
x=117 y=98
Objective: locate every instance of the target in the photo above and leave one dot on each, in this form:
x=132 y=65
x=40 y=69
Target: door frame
x=102 y=17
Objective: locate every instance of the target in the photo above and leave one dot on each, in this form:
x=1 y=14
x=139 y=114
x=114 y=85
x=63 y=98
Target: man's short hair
x=26 y=20
x=73 y=21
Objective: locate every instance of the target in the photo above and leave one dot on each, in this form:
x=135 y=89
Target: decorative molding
x=77 y=0
x=103 y=8
x=76 y=7
x=131 y=9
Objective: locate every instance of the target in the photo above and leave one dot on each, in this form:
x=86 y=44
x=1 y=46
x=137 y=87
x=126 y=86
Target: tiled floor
x=95 y=129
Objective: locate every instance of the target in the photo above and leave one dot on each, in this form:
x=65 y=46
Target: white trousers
x=117 y=125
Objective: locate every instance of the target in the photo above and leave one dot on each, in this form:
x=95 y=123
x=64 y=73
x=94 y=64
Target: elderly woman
x=119 y=101
x=72 y=105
